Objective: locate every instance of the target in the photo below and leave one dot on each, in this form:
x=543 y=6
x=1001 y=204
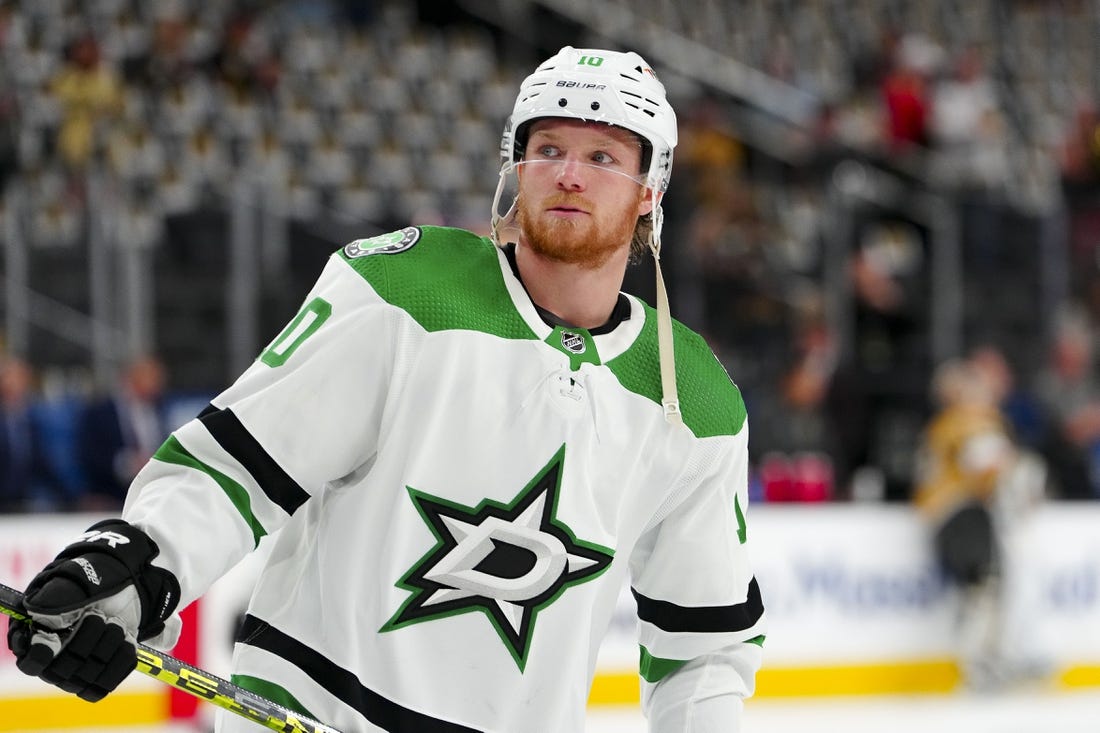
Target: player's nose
x=571 y=175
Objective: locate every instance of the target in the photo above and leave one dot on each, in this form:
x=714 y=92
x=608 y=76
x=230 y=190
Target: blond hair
x=639 y=243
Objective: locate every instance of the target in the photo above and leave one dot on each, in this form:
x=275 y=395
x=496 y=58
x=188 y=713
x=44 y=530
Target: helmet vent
x=643 y=104
x=649 y=112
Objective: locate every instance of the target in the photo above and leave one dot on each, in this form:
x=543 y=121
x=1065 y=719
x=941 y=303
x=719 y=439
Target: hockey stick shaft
x=194 y=681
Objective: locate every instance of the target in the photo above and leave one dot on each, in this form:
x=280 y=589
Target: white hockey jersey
x=460 y=492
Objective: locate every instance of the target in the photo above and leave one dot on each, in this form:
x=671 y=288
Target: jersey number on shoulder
x=304 y=325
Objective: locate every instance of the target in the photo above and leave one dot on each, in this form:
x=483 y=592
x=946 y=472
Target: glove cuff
x=111 y=554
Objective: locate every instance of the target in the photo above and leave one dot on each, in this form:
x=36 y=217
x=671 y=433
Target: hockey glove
x=90 y=606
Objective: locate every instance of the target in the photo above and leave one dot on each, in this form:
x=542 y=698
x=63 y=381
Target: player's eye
x=602 y=158
x=548 y=151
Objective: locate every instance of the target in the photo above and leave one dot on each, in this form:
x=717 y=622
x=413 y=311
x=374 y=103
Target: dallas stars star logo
x=506 y=561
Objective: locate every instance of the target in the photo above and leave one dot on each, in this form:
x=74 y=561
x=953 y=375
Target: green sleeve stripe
x=654 y=669
x=272 y=692
x=172 y=451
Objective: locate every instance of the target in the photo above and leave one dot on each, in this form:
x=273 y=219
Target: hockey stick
x=193 y=681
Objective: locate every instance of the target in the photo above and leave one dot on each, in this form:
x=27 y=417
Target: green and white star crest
x=508 y=561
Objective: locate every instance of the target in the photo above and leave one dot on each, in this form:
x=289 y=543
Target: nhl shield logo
x=573 y=342
x=383 y=244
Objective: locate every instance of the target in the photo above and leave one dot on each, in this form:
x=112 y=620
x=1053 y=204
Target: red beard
x=586 y=241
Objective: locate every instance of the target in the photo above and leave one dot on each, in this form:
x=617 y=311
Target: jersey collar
x=611 y=339
x=619 y=313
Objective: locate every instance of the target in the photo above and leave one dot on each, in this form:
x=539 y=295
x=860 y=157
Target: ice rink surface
x=1033 y=712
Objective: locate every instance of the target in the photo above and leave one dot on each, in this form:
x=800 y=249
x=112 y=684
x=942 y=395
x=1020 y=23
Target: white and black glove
x=90 y=606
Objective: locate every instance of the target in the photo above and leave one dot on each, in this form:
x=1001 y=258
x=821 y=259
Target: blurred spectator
x=1019 y=404
x=905 y=93
x=873 y=57
x=28 y=481
x=795 y=433
x=966 y=453
x=1078 y=156
x=1080 y=152
x=90 y=95
x=246 y=62
x=709 y=149
x=885 y=377
x=729 y=237
x=890 y=275
x=967 y=129
x=1070 y=391
x=119 y=433
x=165 y=65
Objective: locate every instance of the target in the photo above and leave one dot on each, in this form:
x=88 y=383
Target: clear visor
x=563 y=165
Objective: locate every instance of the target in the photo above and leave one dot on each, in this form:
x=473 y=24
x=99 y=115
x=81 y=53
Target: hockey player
x=466 y=447
x=976 y=488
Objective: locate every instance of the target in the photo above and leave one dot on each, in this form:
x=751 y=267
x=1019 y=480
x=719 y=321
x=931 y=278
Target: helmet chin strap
x=670 y=400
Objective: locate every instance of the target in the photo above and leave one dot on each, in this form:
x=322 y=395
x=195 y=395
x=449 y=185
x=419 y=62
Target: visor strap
x=496 y=221
x=670 y=399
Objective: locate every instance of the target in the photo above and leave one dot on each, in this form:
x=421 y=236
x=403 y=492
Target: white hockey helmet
x=614 y=87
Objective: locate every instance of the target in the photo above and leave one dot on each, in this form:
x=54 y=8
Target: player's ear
x=645 y=206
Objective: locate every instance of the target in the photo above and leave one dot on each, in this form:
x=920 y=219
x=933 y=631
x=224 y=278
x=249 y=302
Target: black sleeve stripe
x=339 y=682
x=231 y=435
x=702 y=619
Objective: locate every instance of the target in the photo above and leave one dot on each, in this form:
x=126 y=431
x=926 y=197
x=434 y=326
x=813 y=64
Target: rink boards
x=854 y=605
